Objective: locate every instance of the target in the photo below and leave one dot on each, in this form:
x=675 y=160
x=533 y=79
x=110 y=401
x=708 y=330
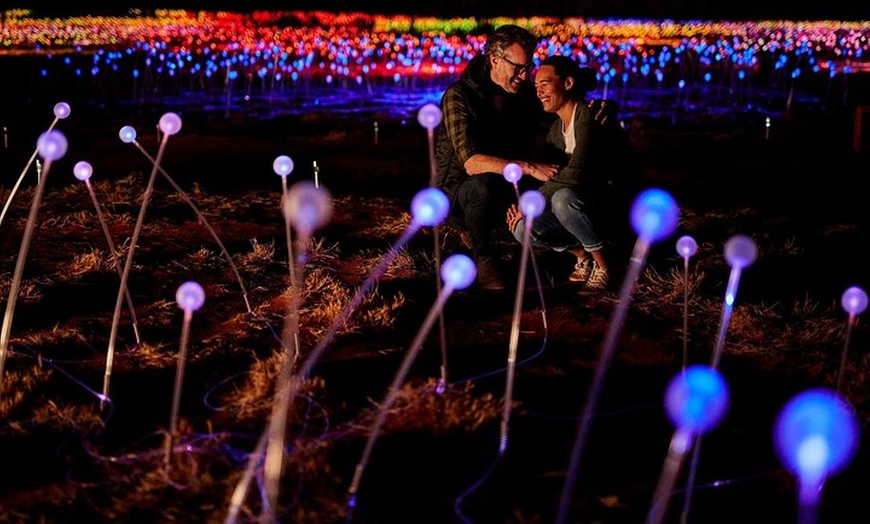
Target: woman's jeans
x=565 y=224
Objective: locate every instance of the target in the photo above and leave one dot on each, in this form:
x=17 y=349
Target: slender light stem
x=125 y=276
x=15 y=286
x=843 y=357
x=23 y=173
x=392 y=394
x=116 y=259
x=277 y=428
x=204 y=223
x=176 y=396
x=442 y=331
x=514 y=338
x=685 y=312
x=680 y=443
x=614 y=328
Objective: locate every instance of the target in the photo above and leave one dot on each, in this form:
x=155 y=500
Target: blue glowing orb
x=429 y=207
x=654 y=214
x=458 y=271
x=697 y=399
x=816 y=434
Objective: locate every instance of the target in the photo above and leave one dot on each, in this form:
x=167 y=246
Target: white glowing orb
x=282 y=165
x=127 y=134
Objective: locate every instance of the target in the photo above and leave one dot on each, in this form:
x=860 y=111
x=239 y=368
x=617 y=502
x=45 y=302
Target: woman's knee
x=565 y=202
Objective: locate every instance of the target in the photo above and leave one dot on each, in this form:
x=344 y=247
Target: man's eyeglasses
x=518 y=68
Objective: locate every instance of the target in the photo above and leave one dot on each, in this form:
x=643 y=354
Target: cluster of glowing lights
x=269 y=48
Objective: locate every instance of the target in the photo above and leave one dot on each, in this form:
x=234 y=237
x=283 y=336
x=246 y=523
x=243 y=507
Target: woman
x=593 y=185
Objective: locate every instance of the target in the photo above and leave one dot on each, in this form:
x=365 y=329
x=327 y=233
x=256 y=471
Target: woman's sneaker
x=582 y=270
x=598 y=278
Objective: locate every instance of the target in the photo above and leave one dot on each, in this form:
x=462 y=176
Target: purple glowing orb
x=816 y=434
x=532 y=203
x=190 y=296
x=61 y=110
x=512 y=173
x=458 y=271
x=429 y=207
x=83 y=170
x=740 y=251
x=429 y=116
x=854 y=300
x=697 y=399
x=654 y=214
x=51 y=145
x=686 y=246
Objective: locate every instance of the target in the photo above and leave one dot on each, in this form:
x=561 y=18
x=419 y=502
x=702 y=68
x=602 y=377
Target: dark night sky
x=736 y=10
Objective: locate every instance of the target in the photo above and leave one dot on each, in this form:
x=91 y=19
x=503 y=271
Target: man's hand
x=542 y=172
x=514 y=215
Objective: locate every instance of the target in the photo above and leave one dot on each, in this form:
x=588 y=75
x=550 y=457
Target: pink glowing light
x=512 y=173
x=190 y=296
x=170 y=123
x=83 y=170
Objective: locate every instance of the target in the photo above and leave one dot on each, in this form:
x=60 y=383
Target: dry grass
x=418 y=407
x=239 y=353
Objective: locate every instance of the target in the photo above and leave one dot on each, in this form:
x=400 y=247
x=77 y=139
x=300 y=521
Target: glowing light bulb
x=697 y=399
x=283 y=165
x=190 y=296
x=686 y=246
x=429 y=207
x=654 y=214
x=854 y=300
x=458 y=271
x=61 y=110
x=308 y=206
x=740 y=251
x=127 y=134
x=532 y=203
x=512 y=172
x=51 y=145
x=429 y=116
x=83 y=170
x=816 y=434
x=170 y=123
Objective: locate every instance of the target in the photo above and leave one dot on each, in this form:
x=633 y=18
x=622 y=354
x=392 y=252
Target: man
x=490 y=117
x=592 y=192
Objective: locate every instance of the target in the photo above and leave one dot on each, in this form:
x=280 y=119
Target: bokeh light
x=429 y=207
x=816 y=434
x=654 y=214
x=458 y=271
x=190 y=296
x=51 y=145
x=697 y=399
x=740 y=251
